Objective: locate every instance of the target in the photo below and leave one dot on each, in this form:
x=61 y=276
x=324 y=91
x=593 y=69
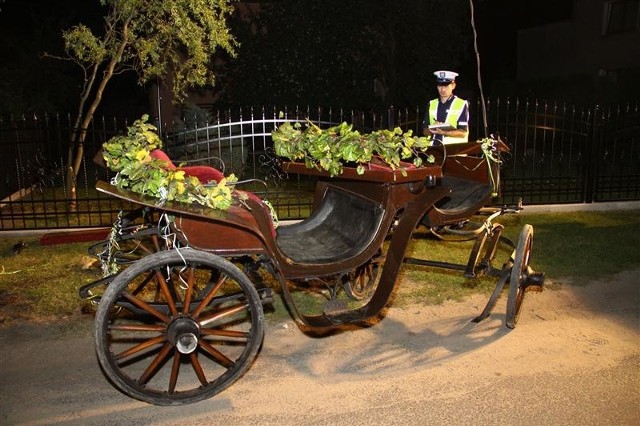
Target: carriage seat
x=467 y=196
x=341 y=227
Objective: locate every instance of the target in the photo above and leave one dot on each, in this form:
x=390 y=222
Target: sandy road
x=574 y=359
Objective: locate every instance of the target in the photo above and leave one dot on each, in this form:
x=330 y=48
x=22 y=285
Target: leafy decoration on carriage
x=129 y=156
x=338 y=146
x=491 y=151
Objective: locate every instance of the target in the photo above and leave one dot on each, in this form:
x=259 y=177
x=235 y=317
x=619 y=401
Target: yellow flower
x=180 y=188
x=142 y=154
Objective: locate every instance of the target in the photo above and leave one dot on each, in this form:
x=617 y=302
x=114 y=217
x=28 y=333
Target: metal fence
x=560 y=153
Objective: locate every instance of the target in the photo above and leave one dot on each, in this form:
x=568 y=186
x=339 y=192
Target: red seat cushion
x=159 y=154
x=205 y=174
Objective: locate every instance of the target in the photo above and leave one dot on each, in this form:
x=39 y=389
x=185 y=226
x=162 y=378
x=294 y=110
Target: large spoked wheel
x=164 y=335
x=520 y=274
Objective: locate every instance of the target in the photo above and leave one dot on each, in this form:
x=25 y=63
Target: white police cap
x=445 y=77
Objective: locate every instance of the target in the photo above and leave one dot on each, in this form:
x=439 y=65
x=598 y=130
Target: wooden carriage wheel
x=165 y=336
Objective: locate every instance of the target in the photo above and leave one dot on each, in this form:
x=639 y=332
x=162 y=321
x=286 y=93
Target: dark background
x=315 y=53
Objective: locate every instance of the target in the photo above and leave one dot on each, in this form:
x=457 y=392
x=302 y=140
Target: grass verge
x=40 y=283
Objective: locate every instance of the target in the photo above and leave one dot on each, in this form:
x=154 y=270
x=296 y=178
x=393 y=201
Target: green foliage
x=123 y=152
x=129 y=156
x=154 y=38
x=80 y=42
x=330 y=149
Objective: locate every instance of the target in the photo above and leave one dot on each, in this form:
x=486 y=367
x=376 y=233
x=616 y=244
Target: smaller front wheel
x=177 y=327
x=520 y=275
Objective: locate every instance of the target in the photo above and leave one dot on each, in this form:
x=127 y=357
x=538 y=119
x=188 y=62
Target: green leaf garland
x=129 y=156
x=332 y=148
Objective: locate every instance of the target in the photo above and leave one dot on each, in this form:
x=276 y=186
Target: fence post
x=591 y=163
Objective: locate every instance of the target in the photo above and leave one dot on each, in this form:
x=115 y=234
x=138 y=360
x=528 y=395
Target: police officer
x=448 y=116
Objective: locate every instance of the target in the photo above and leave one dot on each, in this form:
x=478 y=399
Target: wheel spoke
x=189 y=291
x=167 y=294
x=155 y=364
x=140 y=347
x=203 y=304
x=144 y=338
x=156 y=243
x=146 y=307
x=143 y=284
x=195 y=363
x=226 y=333
x=175 y=369
x=362 y=281
x=139 y=244
x=137 y=327
x=221 y=314
x=221 y=358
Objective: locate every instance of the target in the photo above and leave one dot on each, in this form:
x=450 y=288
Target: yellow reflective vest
x=453 y=115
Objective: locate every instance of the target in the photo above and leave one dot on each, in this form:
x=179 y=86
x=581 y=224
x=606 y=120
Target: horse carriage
x=184 y=318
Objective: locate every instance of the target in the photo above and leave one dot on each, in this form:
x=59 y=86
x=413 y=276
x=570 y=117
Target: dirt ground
x=573 y=359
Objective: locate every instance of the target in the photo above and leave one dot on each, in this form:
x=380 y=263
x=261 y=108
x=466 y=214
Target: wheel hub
x=535 y=281
x=183 y=333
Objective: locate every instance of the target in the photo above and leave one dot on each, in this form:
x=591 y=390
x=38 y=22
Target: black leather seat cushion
x=342 y=226
x=466 y=194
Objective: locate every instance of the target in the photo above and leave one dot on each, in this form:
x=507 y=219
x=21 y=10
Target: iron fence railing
x=560 y=153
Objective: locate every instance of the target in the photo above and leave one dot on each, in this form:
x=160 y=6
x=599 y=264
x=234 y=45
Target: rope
x=475 y=47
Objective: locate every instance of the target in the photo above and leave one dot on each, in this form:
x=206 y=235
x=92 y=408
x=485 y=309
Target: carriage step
x=335 y=307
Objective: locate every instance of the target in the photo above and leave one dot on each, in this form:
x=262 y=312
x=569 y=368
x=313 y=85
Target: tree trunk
x=76 y=147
